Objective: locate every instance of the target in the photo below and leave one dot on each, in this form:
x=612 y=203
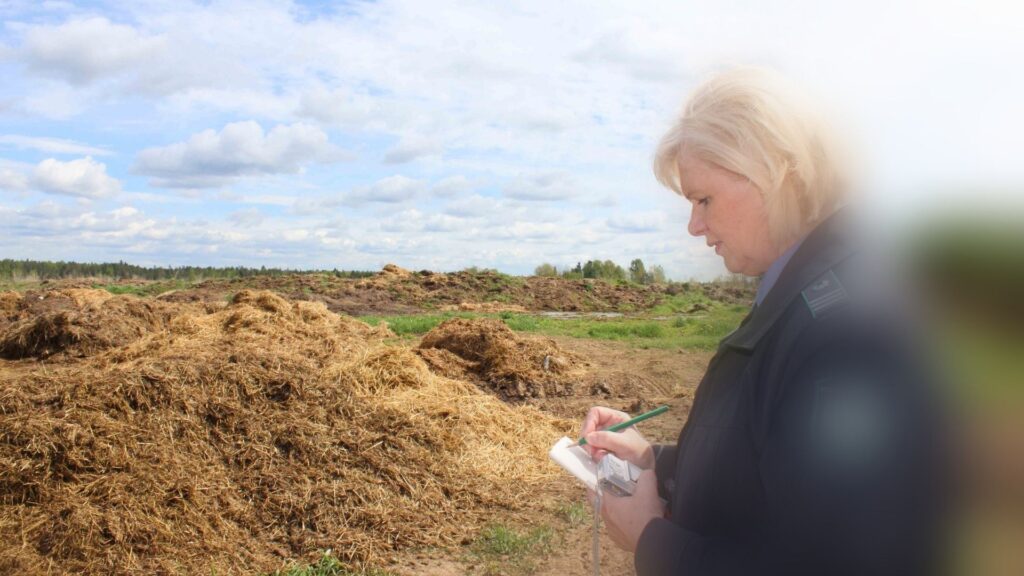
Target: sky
x=441 y=135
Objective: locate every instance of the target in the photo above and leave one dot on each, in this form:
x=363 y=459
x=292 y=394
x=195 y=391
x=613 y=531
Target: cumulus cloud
x=12 y=181
x=541 y=187
x=85 y=178
x=474 y=206
x=209 y=158
x=50 y=145
x=82 y=51
x=411 y=148
x=638 y=222
x=451 y=186
x=390 y=190
x=246 y=218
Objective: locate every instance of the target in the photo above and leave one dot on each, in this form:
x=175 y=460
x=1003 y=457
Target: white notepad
x=569 y=455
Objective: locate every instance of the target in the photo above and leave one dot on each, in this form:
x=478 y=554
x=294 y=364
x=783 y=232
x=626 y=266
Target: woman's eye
x=703 y=201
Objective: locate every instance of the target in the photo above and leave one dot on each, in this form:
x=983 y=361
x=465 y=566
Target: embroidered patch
x=824 y=293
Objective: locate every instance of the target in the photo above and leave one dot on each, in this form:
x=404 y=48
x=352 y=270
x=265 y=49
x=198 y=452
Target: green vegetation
x=702 y=331
x=606 y=270
x=152 y=289
x=574 y=513
x=504 y=550
x=416 y=324
x=327 y=565
x=35 y=270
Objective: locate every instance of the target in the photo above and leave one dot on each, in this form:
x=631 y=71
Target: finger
x=614 y=442
x=600 y=417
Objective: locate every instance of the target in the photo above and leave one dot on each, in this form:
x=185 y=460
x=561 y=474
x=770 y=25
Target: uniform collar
x=824 y=248
x=771 y=276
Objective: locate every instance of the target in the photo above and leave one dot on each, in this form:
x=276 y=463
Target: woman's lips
x=718 y=247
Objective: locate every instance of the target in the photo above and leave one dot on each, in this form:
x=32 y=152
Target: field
x=314 y=425
x=310 y=424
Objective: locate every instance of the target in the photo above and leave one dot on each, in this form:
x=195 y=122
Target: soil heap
x=75 y=322
x=512 y=366
x=232 y=440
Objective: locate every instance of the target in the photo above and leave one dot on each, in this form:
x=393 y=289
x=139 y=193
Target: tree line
x=45 y=270
x=606 y=270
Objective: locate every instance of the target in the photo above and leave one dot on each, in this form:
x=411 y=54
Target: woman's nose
x=696 y=226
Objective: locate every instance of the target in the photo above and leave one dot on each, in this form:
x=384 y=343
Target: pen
x=630 y=422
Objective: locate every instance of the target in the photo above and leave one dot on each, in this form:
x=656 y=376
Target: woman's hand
x=625 y=518
x=627 y=444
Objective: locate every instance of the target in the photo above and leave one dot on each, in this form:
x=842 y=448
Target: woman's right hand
x=627 y=444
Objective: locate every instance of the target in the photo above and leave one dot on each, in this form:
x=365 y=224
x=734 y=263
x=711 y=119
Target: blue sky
x=447 y=134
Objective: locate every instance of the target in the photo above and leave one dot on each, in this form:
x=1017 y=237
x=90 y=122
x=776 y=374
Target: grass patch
x=700 y=332
x=681 y=303
x=327 y=565
x=574 y=513
x=144 y=290
x=504 y=550
x=415 y=324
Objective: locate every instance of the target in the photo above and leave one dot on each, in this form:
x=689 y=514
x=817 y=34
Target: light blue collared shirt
x=772 y=274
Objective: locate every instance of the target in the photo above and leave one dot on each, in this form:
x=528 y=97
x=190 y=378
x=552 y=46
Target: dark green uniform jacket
x=814 y=441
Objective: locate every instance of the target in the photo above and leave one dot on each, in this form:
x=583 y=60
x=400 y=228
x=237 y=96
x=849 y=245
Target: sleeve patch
x=824 y=293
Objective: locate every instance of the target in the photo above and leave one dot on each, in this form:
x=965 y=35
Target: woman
x=811 y=444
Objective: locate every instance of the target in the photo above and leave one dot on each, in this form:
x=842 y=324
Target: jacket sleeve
x=849 y=467
x=664 y=468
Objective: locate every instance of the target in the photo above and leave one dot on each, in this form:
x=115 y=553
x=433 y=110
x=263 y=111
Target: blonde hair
x=752 y=122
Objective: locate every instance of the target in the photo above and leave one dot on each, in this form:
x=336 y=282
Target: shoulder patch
x=824 y=293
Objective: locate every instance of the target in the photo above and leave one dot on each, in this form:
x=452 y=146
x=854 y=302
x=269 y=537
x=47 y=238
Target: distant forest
x=13 y=270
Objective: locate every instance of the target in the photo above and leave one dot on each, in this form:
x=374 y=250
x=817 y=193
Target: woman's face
x=729 y=212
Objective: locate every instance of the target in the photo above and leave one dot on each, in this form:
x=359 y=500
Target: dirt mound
x=486 y=307
x=79 y=322
x=513 y=366
x=9 y=304
x=235 y=439
x=395 y=270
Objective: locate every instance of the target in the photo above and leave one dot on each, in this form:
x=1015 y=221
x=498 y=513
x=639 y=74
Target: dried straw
x=232 y=440
x=512 y=366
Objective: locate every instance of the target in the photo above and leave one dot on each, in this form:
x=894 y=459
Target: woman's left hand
x=627 y=517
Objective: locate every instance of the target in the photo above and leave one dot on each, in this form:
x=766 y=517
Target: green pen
x=630 y=422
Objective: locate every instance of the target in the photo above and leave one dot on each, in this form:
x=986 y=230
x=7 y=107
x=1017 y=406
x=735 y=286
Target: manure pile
x=513 y=366
x=75 y=322
x=230 y=440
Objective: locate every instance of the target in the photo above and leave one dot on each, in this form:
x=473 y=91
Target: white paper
x=569 y=455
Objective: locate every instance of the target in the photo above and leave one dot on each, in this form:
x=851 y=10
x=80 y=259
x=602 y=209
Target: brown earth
x=234 y=439
x=235 y=436
x=398 y=291
x=511 y=365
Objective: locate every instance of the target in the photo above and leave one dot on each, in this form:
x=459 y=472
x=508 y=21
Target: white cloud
x=240 y=149
x=474 y=206
x=82 y=51
x=12 y=181
x=51 y=145
x=536 y=121
x=451 y=186
x=638 y=222
x=411 y=148
x=389 y=190
x=84 y=178
x=248 y=218
x=541 y=187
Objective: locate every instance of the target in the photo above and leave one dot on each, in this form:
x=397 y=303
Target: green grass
x=415 y=324
x=680 y=303
x=143 y=290
x=701 y=332
x=574 y=513
x=327 y=565
x=504 y=550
